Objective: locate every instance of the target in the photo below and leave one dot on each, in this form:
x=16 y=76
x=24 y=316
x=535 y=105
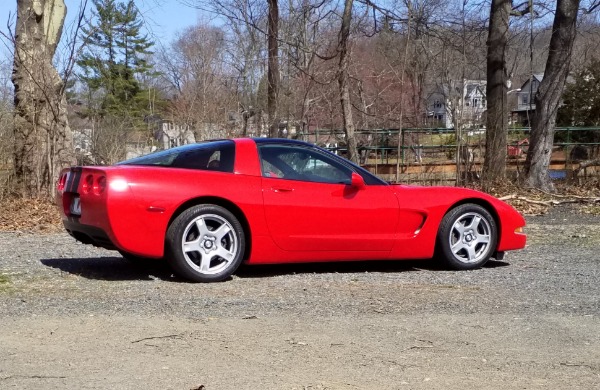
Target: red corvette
x=210 y=206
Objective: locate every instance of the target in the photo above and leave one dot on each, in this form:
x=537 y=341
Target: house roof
x=452 y=88
x=470 y=88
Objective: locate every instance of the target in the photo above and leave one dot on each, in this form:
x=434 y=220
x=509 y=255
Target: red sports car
x=210 y=206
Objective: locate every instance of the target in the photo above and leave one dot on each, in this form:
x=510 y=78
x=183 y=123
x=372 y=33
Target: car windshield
x=211 y=155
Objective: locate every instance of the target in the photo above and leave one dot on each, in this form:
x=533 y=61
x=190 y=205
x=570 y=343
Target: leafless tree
x=273 y=68
x=42 y=134
x=199 y=84
x=494 y=166
x=343 y=81
x=246 y=23
x=302 y=71
x=547 y=99
x=6 y=128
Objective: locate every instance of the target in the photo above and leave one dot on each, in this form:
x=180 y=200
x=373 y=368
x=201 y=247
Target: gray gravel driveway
x=73 y=316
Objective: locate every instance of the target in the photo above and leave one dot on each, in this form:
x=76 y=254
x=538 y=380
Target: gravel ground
x=73 y=316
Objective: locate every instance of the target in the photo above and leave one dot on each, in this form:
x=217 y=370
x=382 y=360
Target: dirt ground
x=74 y=317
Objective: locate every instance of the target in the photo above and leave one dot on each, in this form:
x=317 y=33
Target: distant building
x=525 y=101
x=170 y=135
x=82 y=146
x=464 y=99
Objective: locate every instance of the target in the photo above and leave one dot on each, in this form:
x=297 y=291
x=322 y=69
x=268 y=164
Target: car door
x=310 y=204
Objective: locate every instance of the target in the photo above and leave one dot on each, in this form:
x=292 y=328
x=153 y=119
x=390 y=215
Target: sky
x=163 y=18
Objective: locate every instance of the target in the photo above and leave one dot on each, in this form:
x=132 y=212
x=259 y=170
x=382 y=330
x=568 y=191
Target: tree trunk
x=43 y=139
x=494 y=165
x=343 y=82
x=547 y=98
x=273 y=69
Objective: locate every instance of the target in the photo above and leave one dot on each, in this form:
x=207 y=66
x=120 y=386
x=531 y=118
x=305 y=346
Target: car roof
x=263 y=140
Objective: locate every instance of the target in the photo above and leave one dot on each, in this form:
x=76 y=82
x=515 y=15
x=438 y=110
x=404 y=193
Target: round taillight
x=62 y=183
x=88 y=184
x=100 y=185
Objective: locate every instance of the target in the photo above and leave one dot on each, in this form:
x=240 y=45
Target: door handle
x=282 y=189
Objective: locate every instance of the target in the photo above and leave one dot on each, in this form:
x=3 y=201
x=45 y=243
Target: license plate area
x=75 y=208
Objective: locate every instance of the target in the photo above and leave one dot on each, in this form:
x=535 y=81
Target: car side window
x=299 y=163
x=212 y=156
x=211 y=159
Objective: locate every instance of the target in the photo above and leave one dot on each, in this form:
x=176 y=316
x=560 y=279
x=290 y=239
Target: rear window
x=210 y=156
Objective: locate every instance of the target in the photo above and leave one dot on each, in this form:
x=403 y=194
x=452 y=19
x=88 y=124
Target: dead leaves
x=29 y=215
x=535 y=202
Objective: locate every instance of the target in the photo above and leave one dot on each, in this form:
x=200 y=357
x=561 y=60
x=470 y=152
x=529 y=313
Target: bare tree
x=303 y=35
x=494 y=166
x=547 y=99
x=199 y=84
x=42 y=134
x=273 y=68
x=343 y=81
x=246 y=22
x=6 y=129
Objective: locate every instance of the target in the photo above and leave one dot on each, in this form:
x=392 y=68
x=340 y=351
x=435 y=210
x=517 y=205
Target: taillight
x=88 y=184
x=62 y=182
x=100 y=185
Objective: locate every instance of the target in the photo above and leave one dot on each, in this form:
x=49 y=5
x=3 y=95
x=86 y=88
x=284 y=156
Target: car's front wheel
x=205 y=243
x=467 y=237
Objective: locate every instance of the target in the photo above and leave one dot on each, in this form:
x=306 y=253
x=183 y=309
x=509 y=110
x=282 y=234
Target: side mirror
x=357 y=181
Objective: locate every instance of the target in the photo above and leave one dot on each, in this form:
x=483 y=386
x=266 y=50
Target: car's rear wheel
x=205 y=243
x=467 y=237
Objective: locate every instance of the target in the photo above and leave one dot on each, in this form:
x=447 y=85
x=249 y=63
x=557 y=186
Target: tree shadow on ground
x=113 y=268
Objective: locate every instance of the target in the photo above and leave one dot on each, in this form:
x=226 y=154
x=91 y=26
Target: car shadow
x=113 y=268
x=382 y=266
x=270 y=270
x=496 y=264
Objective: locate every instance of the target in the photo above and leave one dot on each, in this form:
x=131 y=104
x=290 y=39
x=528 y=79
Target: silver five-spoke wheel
x=467 y=237
x=209 y=244
x=470 y=237
x=205 y=243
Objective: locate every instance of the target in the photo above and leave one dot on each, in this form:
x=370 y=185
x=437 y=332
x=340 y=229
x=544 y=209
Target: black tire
x=467 y=237
x=215 y=244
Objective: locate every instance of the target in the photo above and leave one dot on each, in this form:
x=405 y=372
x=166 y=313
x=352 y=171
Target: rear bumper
x=88 y=234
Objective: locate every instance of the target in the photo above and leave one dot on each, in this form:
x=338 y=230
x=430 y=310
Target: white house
x=464 y=99
x=170 y=135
